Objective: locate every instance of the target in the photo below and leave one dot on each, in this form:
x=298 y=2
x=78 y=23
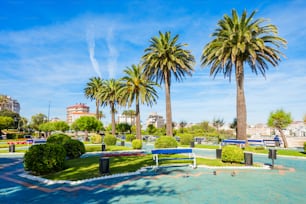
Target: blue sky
x=49 y=49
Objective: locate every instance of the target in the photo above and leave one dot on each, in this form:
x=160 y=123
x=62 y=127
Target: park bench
x=240 y=143
x=171 y=151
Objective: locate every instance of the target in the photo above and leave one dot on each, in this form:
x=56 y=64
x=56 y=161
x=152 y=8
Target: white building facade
x=156 y=120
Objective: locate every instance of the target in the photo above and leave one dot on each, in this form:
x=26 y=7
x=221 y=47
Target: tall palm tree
x=166 y=58
x=239 y=41
x=109 y=96
x=92 y=90
x=137 y=88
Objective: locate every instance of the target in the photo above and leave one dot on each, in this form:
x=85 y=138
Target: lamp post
x=102 y=134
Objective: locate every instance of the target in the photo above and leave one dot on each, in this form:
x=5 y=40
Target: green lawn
x=78 y=169
x=284 y=152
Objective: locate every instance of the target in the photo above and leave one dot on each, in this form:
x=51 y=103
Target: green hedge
x=232 y=153
x=165 y=142
x=96 y=139
x=58 y=138
x=186 y=139
x=110 y=140
x=304 y=146
x=130 y=137
x=44 y=158
x=74 y=149
x=137 y=144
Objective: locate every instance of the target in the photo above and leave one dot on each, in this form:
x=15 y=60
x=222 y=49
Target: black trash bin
x=248 y=159
x=103 y=147
x=272 y=153
x=12 y=148
x=122 y=143
x=104 y=165
x=218 y=153
x=192 y=144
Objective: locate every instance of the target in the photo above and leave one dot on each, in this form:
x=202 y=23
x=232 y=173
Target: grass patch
x=78 y=169
x=85 y=168
x=98 y=148
x=283 y=152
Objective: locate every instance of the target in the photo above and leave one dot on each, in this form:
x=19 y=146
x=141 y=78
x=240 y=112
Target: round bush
x=58 y=138
x=231 y=153
x=304 y=146
x=186 y=139
x=137 y=144
x=74 y=149
x=96 y=139
x=165 y=142
x=45 y=158
x=130 y=137
x=110 y=140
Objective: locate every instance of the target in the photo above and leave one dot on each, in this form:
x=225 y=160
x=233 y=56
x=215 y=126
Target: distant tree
x=101 y=115
x=217 y=123
x=182 y=125
x=304 y=118
x=87 y=123
x=205 y=126
x=54 y=126
x=130 y=114
x=280 y=120
x=151 y=129
x=38 y=119
x=61 y=126
x=6 y=122
x=46 y=127
x=109 y=96
x=233 y=125
x=92 y=90
x=22 y=123
x=123 y=127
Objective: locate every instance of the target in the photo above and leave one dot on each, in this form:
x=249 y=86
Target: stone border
x=51 y=182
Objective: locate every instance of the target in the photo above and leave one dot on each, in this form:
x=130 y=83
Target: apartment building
x=131 y=120
x=76 y=111
x=156 y=120
x=8 y=103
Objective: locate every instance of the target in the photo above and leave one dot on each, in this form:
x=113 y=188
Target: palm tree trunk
x=283 y=137
x=113 y=119
x=138 y=126
x=240 y=104
x=168 y=108
x=97 y=109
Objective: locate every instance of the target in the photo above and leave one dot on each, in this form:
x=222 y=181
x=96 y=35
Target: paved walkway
x=168 y=185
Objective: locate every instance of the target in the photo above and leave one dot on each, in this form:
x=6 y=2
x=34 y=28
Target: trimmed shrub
x=74 y=149
x=232 y=153
x=137 y=144
x=304 y=146
x=165 y=142
x=58 y=138
x=96 y=139
x=130 y=137
x=186 y=139
x=45 y=158
x=110 y=140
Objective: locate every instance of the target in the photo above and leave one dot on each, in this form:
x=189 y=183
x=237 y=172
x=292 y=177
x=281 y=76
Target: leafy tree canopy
x=279 y=119
x=87 y=123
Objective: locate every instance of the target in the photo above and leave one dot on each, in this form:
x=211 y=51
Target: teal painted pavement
x=167 y=185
